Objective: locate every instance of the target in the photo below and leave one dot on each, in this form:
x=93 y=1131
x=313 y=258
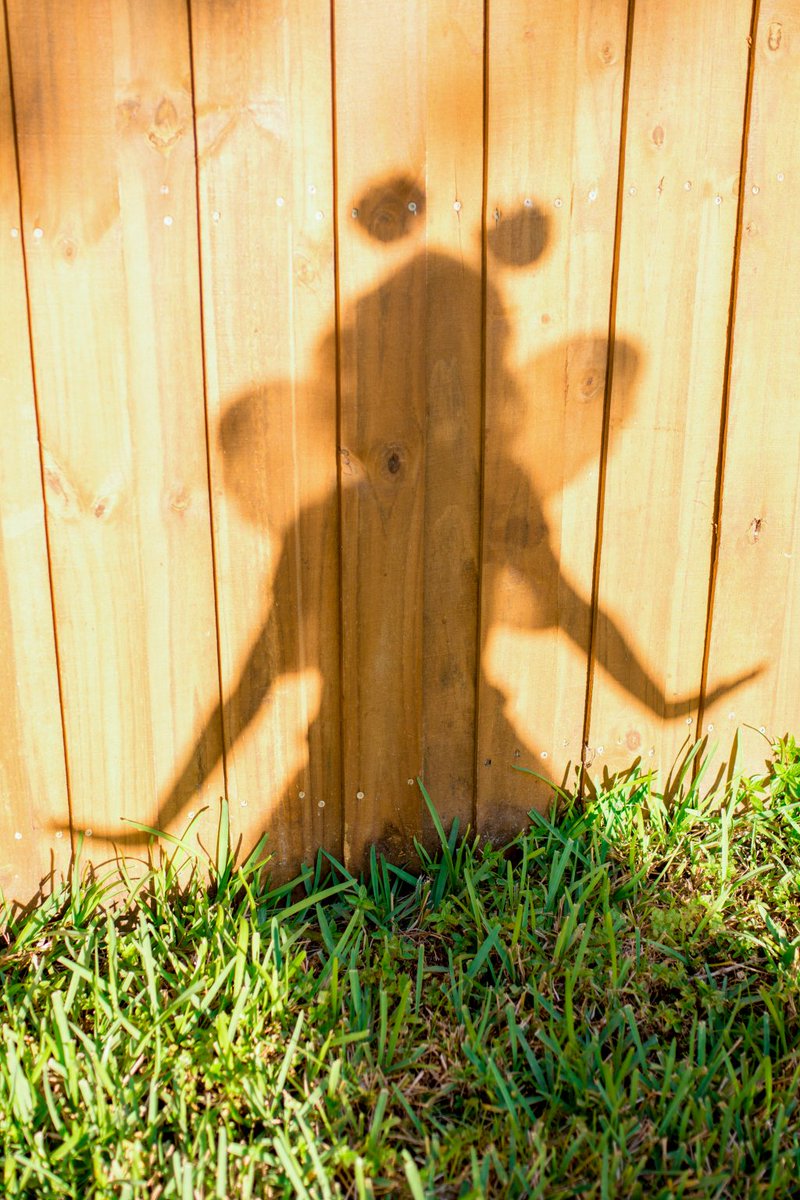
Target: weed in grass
x=605 y=1008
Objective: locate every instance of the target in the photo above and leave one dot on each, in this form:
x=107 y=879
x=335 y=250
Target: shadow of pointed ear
x=520 y=238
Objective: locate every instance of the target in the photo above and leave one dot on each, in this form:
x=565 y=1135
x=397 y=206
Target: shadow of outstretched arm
x=264 y=665
x=615 y=654
x=272 y=654
x=524 y=544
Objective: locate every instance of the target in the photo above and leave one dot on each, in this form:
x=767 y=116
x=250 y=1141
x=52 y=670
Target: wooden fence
x=388 y=390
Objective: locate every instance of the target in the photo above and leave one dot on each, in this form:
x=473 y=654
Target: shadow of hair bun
x=520 y=238
x=390 y=210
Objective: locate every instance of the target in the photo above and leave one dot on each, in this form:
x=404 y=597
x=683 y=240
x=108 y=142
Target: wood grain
x=263 y=89
x=553 y=156
x=409 y=146
x=33 y=787
x=107 y=154
x=684 y=130
x=312 y=535
x=756 y=612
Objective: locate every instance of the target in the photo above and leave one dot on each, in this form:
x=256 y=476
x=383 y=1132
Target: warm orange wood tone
x=389 y=366
x=410 y=155
x=756 y=616
x=684 y=131
x=107 y=163
x=33 y=793
x=263 y=95
x=553 y=141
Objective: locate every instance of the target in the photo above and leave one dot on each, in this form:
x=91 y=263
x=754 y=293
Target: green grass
x=606 y=1008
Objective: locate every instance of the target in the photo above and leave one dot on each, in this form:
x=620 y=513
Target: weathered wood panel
x=553 y=157
x=756 y=612
x=263 y=94
x=33 y=791
x=684 y=130
x=107 y=163
x=410 y=161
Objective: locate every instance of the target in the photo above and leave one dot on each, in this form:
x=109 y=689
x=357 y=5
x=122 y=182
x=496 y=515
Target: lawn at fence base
x=606 y=1007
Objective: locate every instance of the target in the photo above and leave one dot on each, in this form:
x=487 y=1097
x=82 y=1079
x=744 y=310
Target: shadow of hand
x=679 y=708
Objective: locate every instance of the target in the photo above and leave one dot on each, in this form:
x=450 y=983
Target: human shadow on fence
x=410 y=362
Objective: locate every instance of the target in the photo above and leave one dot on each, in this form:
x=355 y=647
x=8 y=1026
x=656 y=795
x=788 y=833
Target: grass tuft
x=607 y=1007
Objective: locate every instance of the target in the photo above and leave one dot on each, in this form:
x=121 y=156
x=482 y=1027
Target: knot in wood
x=591 y=383
x=607 y=54
x=167 y=127
x=775 y=36
x=393 y=459
x=68 y=248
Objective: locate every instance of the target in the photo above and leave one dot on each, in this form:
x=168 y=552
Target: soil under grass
x=608 y=1007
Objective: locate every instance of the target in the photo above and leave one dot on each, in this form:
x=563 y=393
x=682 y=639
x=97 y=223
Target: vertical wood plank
x=107 y=163
x=410 y=155
x=33 y=789
x=684 y=129
x=553 y=154
x=756 y=612
x=453 y=381
x=263 y=94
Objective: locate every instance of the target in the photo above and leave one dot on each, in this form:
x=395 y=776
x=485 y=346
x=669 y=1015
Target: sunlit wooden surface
x=387 y=392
